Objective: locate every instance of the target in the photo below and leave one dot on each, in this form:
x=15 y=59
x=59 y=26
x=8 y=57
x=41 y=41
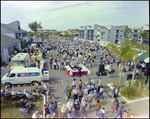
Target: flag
x=84 y=76
x=57 y=82
x=88 y=76
x=42 y=84
x=91 y=75
x=62 y=81
x=18 y=86
x=31 y=85
x=67 y=81
x=5 y=87
x=72 y=80
x=100 y=74
x=53 y=83
x=24 y=85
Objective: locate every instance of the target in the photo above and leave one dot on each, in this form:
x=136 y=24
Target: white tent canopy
x=146 y=60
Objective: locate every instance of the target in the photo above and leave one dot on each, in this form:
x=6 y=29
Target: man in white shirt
x=101 y=92
x=69 y=105
x=63 y=111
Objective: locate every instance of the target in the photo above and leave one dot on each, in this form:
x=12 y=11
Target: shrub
x=129 y=92
x=146 y=92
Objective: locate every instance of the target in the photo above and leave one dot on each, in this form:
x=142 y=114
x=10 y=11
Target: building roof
x=2 y=24
x=7 y=27
x=120 y=26
x=6 y=40
x=23 y=30
x=102 y=27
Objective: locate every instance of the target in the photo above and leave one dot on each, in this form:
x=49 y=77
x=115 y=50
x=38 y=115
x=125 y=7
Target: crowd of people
x=85 y=95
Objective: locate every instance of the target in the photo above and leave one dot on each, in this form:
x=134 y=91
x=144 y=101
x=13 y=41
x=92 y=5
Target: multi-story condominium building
x=89 y=32
x=117 y=34
x=52 y=31
x=14 y=30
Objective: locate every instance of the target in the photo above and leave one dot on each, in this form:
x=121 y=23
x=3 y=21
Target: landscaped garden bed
x=137 y=91
x=10 y=111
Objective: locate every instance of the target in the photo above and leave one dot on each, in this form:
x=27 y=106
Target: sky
x=63 y=15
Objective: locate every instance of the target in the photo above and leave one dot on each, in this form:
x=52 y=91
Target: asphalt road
x=139 y=109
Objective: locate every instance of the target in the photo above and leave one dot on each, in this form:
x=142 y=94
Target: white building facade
x=14 y=30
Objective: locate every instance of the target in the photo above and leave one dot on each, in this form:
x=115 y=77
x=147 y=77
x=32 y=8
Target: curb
x=43 y=105
x=132 y=101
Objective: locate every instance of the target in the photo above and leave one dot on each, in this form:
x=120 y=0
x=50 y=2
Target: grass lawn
x=10 y=111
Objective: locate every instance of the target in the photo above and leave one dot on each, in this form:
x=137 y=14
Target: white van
x=25 y=75
x=33 y=46
x=20 y=60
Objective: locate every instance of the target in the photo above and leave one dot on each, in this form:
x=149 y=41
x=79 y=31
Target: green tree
x=102 y=33
x=34 y=27
x=31 y=34
x=42 y=35
x=96 y=36
x=129 y=32
x=143 y=34
x=125 y=52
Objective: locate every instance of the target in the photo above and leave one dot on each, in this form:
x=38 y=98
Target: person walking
x=101 y=92
x=69 y=105
x=75 y=92
x=97 y=107
x=77 y=108
x=83 y=105
x=94 y=98
x=74 y=84
x=90 y=97
x=64 y=111
x=59 y=106
x=80 y=84
x=66 y=92
x=120 y=109
x=52 y=108
x=115 y=106
x=80 y=94
x=85 y=93
x=102 y=111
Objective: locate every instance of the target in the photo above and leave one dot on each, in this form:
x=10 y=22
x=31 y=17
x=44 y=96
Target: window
x=120 y=30
x=12 y=75
x=88 y=31
x=92 y=31
x=120 y=35
x=18 y=27
x=19 y=34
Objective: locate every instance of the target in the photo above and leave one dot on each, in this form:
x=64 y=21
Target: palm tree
x=128 y=31
x=96 y=36
x=102 y=33
x=34 y=27
x=31 y=34
x=144 y=35
x=125 y=52
x=42 y=35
